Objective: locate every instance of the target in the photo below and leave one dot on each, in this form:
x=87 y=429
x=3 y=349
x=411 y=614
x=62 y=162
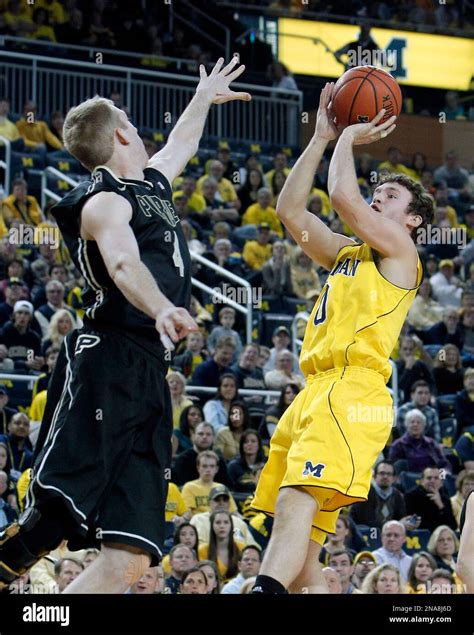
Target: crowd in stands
x=221 y=439
x=405 y=537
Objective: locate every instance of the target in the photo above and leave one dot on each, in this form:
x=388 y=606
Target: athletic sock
x=268 y=585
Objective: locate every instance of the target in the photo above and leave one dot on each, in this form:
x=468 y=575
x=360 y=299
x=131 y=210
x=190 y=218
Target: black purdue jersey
x=160 y=239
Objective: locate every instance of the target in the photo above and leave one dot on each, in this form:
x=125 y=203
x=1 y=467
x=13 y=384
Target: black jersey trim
x=136 y=182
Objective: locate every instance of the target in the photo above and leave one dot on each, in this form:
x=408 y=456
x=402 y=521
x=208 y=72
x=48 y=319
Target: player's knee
x=125 y=563
x=291 y=499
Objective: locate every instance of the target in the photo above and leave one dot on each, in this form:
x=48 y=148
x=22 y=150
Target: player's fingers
x=167 y=343
x=217 y=67
x=231 y=96
x=378 y=117
x=186 y=320
x=231 y=64
x=202 y=71
x=385 y=133
x=169 y=329
x=236 y=73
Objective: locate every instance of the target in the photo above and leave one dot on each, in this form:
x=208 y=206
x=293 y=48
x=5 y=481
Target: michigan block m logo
x=314 y=470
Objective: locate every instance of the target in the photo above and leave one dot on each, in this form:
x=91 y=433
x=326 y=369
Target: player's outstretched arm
x=183 y=141
x=314 y=237
x=119 y=249
x=384 y=235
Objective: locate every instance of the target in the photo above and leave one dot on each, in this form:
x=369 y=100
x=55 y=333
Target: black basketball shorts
x=107 y=449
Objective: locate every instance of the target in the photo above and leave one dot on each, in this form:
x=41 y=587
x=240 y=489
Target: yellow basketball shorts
x=327 y=442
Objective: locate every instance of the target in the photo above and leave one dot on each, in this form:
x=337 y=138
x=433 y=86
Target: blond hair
x=369 y=584
x=88 y=131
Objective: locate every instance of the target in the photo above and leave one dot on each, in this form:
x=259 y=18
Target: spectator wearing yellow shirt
x=226 y=189
x=179 y=401
x=325 y=202
x=43 y=30
x=176 y=510
x=257 y=252
x=36 y=415
x=222 y=548
x=394 y=162
x=20 y=206
x=280 y=164
x=196 y=201
x=196 y=493
x=18 y=18
x=54 y=10
x=262 y=212
x=7 y=127
x=35 y=133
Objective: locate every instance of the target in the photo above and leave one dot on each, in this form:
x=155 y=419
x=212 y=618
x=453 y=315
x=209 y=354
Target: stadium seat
x=29 y=160
x=409 y=480
x=293 y=305
x=371 y=535
x=19 y=392
x=448 y=429
x=417 y=540
x=446 y=405
x=432 y=349
x=68 y=165
x=270 y=321
x=449 y=483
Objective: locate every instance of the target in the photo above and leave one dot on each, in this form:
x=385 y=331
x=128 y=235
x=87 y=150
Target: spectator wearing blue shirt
x=209 y=372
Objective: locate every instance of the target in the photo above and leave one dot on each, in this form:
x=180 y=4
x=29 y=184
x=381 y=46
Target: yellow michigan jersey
x=329 y=438
x=358 y=316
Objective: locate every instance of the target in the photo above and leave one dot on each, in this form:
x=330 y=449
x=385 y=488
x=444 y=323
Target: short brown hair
x=89 y=131
x=421 y=202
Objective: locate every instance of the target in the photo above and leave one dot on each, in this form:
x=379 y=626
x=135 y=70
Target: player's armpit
x=173 y=158
x=105 y=218
x=315 y=238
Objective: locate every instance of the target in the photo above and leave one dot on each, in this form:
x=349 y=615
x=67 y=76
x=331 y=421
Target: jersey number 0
x=320 y=314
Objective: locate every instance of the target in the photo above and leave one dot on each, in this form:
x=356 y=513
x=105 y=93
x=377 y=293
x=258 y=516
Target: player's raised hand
x=364 y=133
x=325 y=128
x=216 y=84
x=174 y=323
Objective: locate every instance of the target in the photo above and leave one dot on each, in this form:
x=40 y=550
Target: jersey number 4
x=177 y=259
x=321 y=314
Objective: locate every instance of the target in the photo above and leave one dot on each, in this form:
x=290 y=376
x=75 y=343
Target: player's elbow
x=119 y=266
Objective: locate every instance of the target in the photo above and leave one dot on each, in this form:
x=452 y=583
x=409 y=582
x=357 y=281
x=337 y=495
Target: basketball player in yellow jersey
x=326 y=443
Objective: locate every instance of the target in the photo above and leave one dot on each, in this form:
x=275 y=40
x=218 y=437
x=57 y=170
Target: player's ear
x=415 y=220
x=121 y=137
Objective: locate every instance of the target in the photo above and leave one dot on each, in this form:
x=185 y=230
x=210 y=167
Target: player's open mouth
x=375 y=207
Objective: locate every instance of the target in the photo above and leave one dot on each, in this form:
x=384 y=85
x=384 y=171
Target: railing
x=153 y=97
x=41 y=47
x=6 y=164
x=46 y=192
x=247 y=310
x=245 y=392
x=297 y=344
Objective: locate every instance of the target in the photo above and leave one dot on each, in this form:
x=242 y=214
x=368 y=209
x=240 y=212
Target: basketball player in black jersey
x=105 y=444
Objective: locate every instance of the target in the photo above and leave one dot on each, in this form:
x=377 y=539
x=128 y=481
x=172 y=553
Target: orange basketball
x=362 y=92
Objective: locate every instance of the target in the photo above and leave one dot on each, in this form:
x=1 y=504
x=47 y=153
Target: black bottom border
x=243 y=614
